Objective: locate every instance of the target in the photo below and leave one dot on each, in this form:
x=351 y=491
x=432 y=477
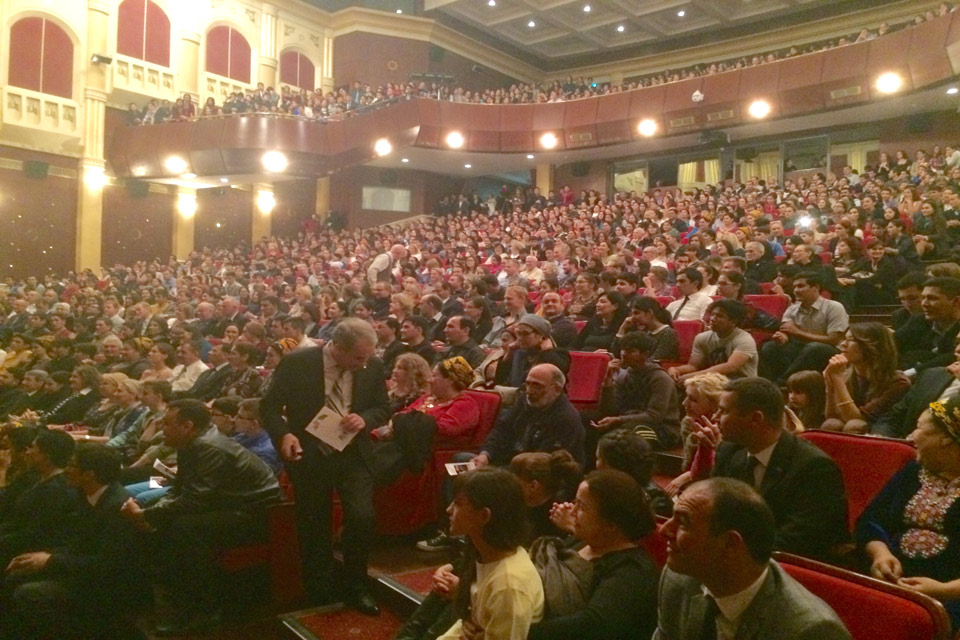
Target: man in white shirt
x=382 y=266
x=693 y=305
x=531 y=270
x=190 y=367
x=720 y=581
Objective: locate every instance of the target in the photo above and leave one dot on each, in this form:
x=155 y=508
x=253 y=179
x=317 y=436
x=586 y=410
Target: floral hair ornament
x=947 y=416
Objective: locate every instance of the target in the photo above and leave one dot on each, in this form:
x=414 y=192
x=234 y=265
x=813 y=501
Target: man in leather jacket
x=219 y=499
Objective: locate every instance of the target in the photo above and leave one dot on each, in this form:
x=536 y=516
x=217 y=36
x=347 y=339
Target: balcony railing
x=143 y=78
x=40 y=111
x=220 y=87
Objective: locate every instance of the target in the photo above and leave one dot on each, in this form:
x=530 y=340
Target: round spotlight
x=952 y=91
x=175 y=164
x=404 y=160
x=647 y=127
x=189 y=176
x=382 y=147
x=621 y=28
x=224 y=180
x=681 y=13
x=529 y=156
x=491 y=3
x=548 y=141
x=586 y=8
x=468 y=166
x=140 y=171
x=399 y=10
x=455 y=140
x=274 y=161
x=889 y=83
x=531 y=24
x=759 y=109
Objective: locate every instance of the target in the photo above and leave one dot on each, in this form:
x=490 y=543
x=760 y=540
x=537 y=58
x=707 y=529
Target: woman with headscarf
x=444 y=413
x=910 y=532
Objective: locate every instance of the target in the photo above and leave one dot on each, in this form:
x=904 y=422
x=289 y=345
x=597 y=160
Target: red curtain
x=228 y=54
x=143 y=31
x=297 y=70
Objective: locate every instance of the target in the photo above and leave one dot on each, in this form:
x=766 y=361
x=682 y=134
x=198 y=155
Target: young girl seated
x=500 y=595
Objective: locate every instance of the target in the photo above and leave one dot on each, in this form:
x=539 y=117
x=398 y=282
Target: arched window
x=41 y=57
x=135 y=20
x=296 y=70
x=228 y=54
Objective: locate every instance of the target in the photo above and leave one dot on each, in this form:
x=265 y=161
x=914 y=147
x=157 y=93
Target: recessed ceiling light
x=647 y=127
x=468 y=166
x=548 y=140
x=951 y=91
x=681 y=13
x=889 y=83
x=586 y=8
x=274 y=161
x=404 y=160
x=399 y=10
x=491 y=3
x=529 y=156
x=531 y=24
x=621 y=28
x=759 y=109
x=224 y=180
x=455 y=140
x=382 y=147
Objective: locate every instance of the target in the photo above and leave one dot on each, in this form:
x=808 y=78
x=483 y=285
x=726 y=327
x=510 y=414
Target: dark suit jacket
x=783 y=610
x=42 y=517
x=902 y=418
x=105 y=559
x=296 y=394
x=208 y=384
x=803 y=487
x=73 y=408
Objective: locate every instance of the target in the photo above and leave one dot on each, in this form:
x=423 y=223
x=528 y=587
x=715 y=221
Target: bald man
x=381 y=269
x=543 y=419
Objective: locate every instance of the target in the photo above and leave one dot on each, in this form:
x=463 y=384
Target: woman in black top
x=601 y=330
x=612 y=514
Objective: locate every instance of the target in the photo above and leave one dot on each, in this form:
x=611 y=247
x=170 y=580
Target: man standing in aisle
x=345 y=378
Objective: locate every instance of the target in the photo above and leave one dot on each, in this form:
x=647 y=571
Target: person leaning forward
x=344 y=376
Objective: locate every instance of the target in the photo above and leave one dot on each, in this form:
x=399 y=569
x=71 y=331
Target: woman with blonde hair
x=862 y=381
x=126 y=397
x=701 y=401
x=409 y=380
x=401 y=306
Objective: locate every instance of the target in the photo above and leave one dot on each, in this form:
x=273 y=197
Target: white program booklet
x=325 y=426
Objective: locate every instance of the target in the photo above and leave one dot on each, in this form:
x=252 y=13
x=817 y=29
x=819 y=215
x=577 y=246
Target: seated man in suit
x=459 y=343
x=413 y=332
x=802 y=485
x=45 y=515
x=95 y=583
x=211 y=381
x=219 y=499
x=936 y=384
x=720 y=581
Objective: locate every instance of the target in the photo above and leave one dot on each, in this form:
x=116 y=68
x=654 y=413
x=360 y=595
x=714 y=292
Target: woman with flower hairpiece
x=443 y=413
x=910 y=532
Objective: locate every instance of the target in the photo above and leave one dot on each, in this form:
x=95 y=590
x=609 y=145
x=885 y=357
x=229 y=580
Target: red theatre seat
x=866 y=462
x=870 y=608
x=656 y=545
x=774 y=304
x=686 y=330
x=281 y=553
x=579 y=324
x=767 y=287
x=411 y=502
x=585 y=379
x=663 y=300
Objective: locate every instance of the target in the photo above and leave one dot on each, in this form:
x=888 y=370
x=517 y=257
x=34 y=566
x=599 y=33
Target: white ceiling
x=564 y=29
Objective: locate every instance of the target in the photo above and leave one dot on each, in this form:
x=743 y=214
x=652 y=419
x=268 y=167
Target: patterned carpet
x=420 y=581
x=340 y=623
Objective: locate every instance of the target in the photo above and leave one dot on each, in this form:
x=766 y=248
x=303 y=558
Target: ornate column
x=544 y=178
x=92 y=163
x=322 y=207
x=183 y=222
x=269 y=53
x=260 y=217
x=188 y=78
x=326 y=66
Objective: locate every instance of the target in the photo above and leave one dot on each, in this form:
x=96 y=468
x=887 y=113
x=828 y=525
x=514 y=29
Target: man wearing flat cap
x=534 y=346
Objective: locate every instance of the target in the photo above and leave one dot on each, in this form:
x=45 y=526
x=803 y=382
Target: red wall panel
x=136 y=228
x=157 y=41
x=927 y=55
x=26 y=53
x=131 y=25
x=218 y=45
x=37 y=217
x=239 y=57
x=57 y=71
